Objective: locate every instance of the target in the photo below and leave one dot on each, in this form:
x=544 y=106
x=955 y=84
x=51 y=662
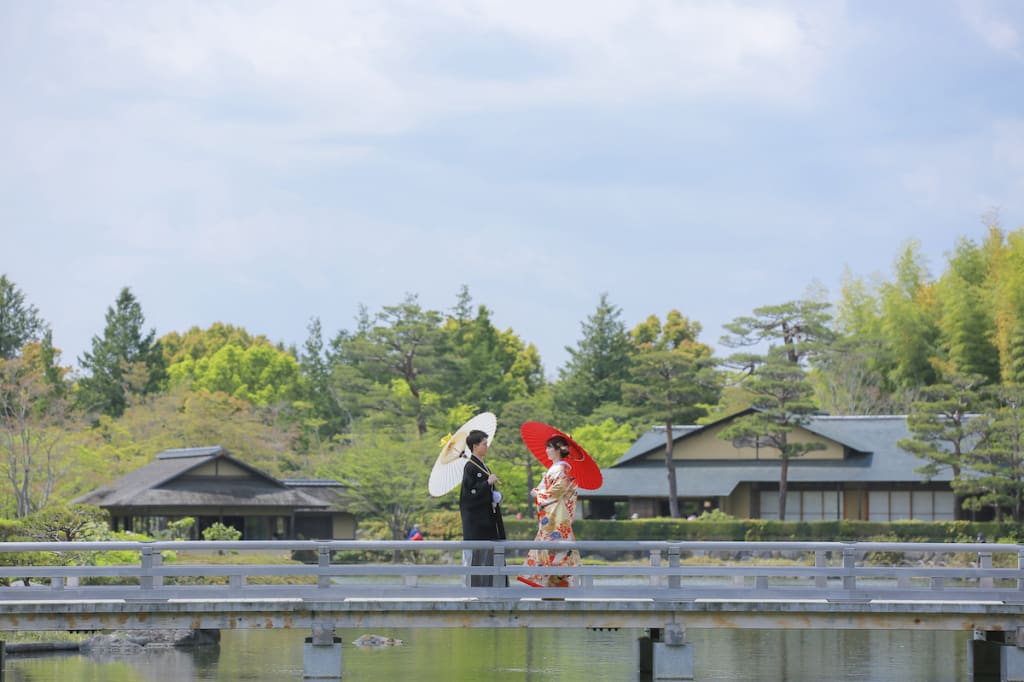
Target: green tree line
x=369 y=405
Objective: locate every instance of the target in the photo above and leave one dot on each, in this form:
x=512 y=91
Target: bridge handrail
x=657 y=569
x=634 y=546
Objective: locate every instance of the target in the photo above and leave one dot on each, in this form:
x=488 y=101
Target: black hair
x=561 y=444
x=474 y=438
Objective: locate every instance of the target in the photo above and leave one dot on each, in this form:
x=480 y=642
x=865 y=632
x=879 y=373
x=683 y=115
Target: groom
x=479 y=503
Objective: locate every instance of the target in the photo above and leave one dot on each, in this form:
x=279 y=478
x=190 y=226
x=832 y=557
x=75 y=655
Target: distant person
x=414 y=533
x=556 y=507
x=480 y=507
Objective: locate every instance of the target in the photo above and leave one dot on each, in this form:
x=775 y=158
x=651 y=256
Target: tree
x=941 y=426
x=74 y=523
x=19 y=321
x=386 y=477
x=400 y=343
x=260 y=374
x=487 y=367
x=188 y=418
x=849 y=375
x=966 y=325
x=781 y=399
x=799 y=328
x=125 y=362
x=597 y=366
x=34 y=426
x=606 y=441
x=326 y=417
x=1006 y=256
x=910 y=325
x=777 y=381
x=199 y=343
x=993 y=474
x=670 y=379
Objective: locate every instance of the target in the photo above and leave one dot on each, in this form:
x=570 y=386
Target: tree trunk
x=673 y=496
x=783 y=485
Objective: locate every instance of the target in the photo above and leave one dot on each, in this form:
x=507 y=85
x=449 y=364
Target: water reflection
x=527 y=655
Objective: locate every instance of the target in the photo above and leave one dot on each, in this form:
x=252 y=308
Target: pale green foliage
x=36 y=448
x=199 y=343
x=606 y=442
x=59 y=523
x=186 y=419
x=911 y=321
x=218 y=531
x=386 y=477
x=260 y=374
x=180 y=529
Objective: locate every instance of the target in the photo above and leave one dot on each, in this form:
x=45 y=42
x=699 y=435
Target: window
x=899 y=505
x=945 y=505
x=802 y=505
x=924 y=505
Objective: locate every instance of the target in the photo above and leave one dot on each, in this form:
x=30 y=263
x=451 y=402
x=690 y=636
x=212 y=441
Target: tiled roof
x=874 y=457
x=164 y=483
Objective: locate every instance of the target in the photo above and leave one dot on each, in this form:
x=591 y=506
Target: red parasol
x=584 y=468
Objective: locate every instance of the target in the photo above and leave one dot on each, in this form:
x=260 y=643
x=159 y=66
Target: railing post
x=1020 y=569
x=849 y=564
x=673 y=562
x=323 y=563
x=985 y=564
x=146 y=580
x=656 y=561
x=820 y=562
x=158 y=560
x=499 y=563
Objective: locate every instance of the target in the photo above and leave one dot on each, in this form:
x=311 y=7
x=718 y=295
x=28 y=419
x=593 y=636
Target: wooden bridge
x=663 y=587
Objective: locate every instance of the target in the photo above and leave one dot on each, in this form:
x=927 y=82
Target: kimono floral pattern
x=556 y=507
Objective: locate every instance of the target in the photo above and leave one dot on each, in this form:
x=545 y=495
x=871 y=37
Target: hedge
x=446 y=525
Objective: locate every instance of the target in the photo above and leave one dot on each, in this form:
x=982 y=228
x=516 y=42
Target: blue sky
x=262 y=163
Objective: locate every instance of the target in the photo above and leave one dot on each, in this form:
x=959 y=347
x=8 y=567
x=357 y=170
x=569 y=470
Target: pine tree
x=124 y=362
x=776 y=381
x=994 y=469
x=671 y=379
x=940 y=423
x=598 y=365
x=19 y=321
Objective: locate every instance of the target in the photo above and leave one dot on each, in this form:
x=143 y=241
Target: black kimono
x=481 y=518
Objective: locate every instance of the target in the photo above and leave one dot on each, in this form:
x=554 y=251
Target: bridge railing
x=686 y=571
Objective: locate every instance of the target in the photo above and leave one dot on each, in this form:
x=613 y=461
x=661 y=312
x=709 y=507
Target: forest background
x=369 y=406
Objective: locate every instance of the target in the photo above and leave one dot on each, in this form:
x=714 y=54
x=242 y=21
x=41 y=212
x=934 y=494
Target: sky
x=264 y=163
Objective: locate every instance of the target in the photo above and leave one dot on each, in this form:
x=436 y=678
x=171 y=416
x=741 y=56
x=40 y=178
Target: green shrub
x=218 y=531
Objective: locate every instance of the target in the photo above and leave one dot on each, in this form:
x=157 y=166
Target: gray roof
x=654 y=440
x=873 y=457
x=163 y=483
x=326 y=490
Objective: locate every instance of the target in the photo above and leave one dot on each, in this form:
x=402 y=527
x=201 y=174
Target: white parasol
x=447 y=471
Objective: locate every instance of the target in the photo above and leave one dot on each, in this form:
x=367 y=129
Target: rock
x=109 y=643
x=377 y=640
x=134 y=642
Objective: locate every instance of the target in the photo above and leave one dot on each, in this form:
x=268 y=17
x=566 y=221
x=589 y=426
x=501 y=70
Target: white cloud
x=997 y=32
x=370 y=67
